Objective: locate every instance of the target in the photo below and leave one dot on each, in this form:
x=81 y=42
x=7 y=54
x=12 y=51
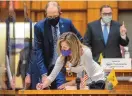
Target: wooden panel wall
x=125 y=5
x=80 y=12
x=93 y=9
x=20 y=5
x=78 y=19
x=73 y=5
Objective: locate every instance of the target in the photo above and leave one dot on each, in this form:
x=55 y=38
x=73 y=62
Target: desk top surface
x=127 y=92
x=120 y=71
x=75 y=92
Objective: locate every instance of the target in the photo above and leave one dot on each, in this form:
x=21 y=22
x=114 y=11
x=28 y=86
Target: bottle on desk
x=127 y=54
x=109 y=85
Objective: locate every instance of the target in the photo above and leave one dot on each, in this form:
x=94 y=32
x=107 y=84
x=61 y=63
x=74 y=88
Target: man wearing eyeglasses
x=105 y=35
x=46 y=34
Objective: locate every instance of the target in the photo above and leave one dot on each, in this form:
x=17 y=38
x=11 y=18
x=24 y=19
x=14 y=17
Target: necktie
x=105 y=34
x=55 y=37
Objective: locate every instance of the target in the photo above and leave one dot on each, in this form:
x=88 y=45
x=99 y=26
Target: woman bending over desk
x=78 y=57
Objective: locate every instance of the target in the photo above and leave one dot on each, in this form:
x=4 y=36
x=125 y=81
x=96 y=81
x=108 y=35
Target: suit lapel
x=110 y=32
x=99 y=28
x=48 y=32
x=101 y=32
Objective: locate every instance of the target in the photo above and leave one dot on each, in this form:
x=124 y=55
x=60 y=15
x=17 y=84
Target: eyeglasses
x=107 y=14
x=52 y=17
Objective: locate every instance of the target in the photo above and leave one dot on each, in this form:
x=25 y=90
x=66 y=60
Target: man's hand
x=4 y=87
x=46 y=83
x=123 y=29
x=12 y=82
x=27 y=81
x=39 y=86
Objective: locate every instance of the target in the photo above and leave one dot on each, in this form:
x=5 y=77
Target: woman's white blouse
x=94 y=71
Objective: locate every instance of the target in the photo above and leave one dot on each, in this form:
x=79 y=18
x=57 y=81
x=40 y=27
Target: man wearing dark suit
x=105 y=35
x=24 y=60
x=46 y=33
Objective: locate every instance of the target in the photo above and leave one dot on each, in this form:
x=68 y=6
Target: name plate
x=75 y=88
x=116 y=63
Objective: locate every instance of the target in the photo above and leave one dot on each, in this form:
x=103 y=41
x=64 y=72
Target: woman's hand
x=44 y=84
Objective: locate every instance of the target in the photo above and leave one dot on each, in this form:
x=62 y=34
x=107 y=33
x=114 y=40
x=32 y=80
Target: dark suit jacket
x=33 y=70
x=23 y=62
x=43 y=44
x=94 y=39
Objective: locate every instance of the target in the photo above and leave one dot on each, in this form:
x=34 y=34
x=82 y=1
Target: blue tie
x=105 y=34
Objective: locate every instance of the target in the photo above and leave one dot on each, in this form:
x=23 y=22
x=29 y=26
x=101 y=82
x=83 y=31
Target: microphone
x=78 y=81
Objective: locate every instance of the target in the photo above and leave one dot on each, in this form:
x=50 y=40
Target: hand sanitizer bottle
x=127 y=54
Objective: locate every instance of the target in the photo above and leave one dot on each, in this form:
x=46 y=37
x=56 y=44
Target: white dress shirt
x=108 y=28
x=58 y=30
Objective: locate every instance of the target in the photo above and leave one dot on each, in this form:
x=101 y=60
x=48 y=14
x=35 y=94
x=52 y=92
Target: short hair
x=53 y=3
x=105 y=6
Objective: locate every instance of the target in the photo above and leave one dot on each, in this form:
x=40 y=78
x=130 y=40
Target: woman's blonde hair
x=74 y=44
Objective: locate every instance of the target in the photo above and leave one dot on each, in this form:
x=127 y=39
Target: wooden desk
x=120 y=90
x=7 y=92
x=118 y=73
x=126 y=90
x=75 y=92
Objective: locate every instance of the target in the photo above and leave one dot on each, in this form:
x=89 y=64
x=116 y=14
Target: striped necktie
x=55 y=38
